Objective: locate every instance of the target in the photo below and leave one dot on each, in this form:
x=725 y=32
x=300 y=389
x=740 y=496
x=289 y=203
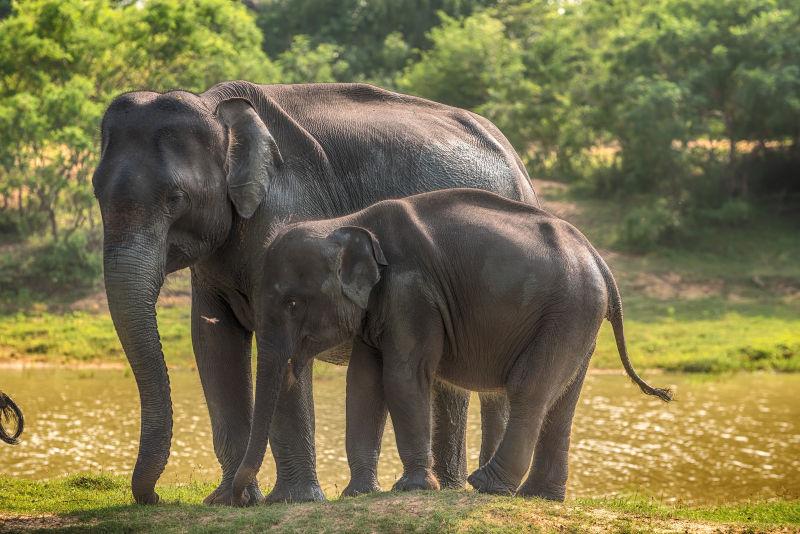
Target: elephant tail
x=10 y=413
x=614 y=316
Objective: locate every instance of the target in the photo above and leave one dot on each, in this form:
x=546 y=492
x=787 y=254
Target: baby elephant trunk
x=11 y=420
x=269 y=381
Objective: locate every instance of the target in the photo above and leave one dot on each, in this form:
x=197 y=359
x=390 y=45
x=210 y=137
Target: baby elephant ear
x=359 y=261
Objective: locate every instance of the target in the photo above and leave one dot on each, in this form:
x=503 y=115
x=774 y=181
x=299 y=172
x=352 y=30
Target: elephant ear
x=359 y=261
x=253 y=156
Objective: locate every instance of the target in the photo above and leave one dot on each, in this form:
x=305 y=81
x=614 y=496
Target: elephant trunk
x=134 y=275
x=272 y=365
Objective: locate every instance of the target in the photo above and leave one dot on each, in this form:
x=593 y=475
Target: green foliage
x=369 y=33
x=734 y=212
x=468 y=60
x=62 y=61
x=303 y=64
x=63 y=266
x=696 y=102
x=652 y=224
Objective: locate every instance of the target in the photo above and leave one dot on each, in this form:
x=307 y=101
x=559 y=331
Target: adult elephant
x=201 y=181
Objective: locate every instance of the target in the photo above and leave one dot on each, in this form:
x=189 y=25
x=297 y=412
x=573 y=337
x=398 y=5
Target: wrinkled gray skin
x=10 y=413
x=464 y=286
x=202 y=181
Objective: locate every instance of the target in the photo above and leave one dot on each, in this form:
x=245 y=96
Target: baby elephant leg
x=548 y=476
x=504 y=471
x=408 y=396
x=536 y=380
x=366 y=418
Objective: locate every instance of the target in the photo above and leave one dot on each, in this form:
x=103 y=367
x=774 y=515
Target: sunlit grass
x=682 y=339
x=104 y=503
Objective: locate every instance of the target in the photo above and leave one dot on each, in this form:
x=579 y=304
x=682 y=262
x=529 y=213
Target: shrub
x=733 y=212
x=75 y=261
x=30 y=271
x=650 y=225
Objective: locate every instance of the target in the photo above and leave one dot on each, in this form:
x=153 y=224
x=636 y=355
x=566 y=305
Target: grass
x=691 y=338
x=727 y=299
x=103 y=503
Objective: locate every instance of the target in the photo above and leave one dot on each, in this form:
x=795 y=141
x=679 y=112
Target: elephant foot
x=297 y=492
x=484 y=480
x=554 y=493
x=223 y=496
x=421 y=479
x=147 y=498
x=451 y=479
x=361 y=487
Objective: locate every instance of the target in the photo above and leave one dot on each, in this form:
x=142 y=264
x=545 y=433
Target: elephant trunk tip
x=10 y=415
x=244 y=475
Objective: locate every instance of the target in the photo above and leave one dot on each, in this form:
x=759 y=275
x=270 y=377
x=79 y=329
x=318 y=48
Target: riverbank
x=103 y=503
x=708 y=335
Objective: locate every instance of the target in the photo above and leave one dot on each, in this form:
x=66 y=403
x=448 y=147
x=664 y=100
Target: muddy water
x=726 y=439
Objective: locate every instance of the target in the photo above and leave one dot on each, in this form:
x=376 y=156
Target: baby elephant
x=460 y=285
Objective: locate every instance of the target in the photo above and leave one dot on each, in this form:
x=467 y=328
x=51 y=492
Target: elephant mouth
x=177 y=259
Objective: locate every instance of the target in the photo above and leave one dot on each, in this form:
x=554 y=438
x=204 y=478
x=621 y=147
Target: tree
x=360 y=28
x=468 y=59
x=304 y=64
x=62 y=61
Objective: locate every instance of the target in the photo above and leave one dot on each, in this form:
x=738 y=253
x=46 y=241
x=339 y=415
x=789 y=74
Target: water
x=726 y=439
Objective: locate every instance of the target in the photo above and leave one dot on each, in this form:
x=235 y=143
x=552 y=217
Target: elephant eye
x=177 y=199
x=291 y=305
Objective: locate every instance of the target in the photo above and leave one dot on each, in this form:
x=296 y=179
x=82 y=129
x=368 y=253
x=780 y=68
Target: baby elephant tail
x=614 y=316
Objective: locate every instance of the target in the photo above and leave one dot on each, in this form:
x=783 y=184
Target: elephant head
x=315 y=293
x=10 y=414
x=173 y=177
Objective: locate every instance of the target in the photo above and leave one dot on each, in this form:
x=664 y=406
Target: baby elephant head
x=315 y=292
x=317 y=288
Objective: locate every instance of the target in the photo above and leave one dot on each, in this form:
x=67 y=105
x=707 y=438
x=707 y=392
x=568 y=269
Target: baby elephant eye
x=291 y=305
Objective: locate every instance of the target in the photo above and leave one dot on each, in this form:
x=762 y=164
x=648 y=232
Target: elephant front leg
x=222 y=350
x=291 y=440
x=411 y=353
x=366 y=419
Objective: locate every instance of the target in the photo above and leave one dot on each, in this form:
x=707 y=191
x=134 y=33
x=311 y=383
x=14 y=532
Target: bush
x=75 y=261
x=31 y=271
x=652 y=224
x=732 y=212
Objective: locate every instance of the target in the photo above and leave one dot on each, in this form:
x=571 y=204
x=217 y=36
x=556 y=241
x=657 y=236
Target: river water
x=729 y=438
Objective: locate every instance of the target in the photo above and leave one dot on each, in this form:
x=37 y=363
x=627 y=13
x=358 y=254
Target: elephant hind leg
x=548 y=476
x=494 y=417
x=537 y=380
x=449 y=443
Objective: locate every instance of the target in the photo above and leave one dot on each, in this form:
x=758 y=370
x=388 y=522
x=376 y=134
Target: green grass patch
x=77 y=336
x=679 y=336
x=732 y=341
x=103 y=503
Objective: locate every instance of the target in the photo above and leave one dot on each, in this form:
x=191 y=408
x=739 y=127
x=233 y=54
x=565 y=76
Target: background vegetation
x=673 y=127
